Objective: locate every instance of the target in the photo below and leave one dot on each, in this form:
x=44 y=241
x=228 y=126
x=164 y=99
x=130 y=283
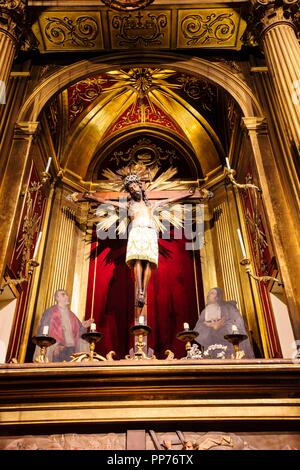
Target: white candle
x=227 y=163
x=141 y=320
x=186 y=326
x=234 y=329
x=46 y=330
x=48 y=164
x=93 y=327
x=241 y=243
x=36 y=248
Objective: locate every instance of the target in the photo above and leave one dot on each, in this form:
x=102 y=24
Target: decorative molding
x=214 y=390
x=256 y=124
x=26 y=128
x=158 y=27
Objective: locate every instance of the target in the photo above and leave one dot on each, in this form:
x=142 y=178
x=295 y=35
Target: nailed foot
x=140 y=299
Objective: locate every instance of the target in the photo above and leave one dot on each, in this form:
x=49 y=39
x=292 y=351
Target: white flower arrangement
x=212 y=351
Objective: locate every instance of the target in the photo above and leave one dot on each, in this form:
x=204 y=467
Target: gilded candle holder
x=140 y=331
x=235 y=339
x=187 y=336
x=43 y=342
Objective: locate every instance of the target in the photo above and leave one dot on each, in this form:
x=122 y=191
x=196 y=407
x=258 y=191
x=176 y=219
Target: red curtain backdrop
x=172 y=296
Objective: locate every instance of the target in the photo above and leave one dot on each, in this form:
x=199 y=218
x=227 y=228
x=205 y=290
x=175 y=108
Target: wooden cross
x=151 y=195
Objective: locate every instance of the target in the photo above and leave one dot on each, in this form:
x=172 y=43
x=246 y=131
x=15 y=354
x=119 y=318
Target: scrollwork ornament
x=81 y=32
x=200 y=30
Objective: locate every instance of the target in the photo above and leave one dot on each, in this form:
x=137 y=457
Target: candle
x=234 y=329
x=37 y=245
x=227 y=163
x=141 y=319
x=186 y=326
x=46 y=330
x=241 y=243
x=48 y=164
x=93 y=327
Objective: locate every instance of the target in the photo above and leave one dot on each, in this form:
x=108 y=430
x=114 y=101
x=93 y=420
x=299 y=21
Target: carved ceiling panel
x=176 y=27
x=69 y=31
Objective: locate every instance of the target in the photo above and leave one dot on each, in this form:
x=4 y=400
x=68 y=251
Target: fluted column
x=12 y=24
x=61 y=258
x=276 y=32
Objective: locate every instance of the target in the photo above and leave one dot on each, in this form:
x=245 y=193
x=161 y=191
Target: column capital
x=25 y=129
x=255 y=124
x=266 y=14
x=13 y=19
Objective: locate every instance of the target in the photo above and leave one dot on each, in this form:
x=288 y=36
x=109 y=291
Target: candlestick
x=48 y=164
x=141 y=320
x=46 y=330
x=227 y=163
x=93 y=327
x=242 y=243
x=37 y=245
x=186 y=326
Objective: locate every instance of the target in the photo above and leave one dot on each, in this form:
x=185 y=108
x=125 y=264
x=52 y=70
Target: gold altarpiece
x=147 y=395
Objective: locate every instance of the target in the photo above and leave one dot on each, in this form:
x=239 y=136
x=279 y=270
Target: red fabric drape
x=171 y=296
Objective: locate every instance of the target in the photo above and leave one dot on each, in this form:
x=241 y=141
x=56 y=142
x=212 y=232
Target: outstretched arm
x=184 y=195
x=93 y=197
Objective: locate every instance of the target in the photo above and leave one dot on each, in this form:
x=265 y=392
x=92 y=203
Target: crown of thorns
x=133 y=178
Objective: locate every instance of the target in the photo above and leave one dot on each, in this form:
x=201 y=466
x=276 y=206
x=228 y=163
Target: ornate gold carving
x=141 y=30
x=69 y=30
x=149 y=113
x=216 y=27
x=266 y=14
x=198 y=90
x=127 y=5
x=30 y=226
x=155 y=28
x=144 y=151
x=12 y=16
x=17 y=7
x=212 y=28
x=84 y=91
x=80 y=32
x=265 y=3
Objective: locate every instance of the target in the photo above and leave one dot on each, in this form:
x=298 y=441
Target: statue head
x=130 y=180
x=133 y=185
x=62 y=298
x=215 y=295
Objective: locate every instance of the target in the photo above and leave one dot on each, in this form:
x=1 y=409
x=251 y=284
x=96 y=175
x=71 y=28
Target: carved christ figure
x=144 y=221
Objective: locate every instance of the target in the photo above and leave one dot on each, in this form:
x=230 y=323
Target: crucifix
x=142 y=208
